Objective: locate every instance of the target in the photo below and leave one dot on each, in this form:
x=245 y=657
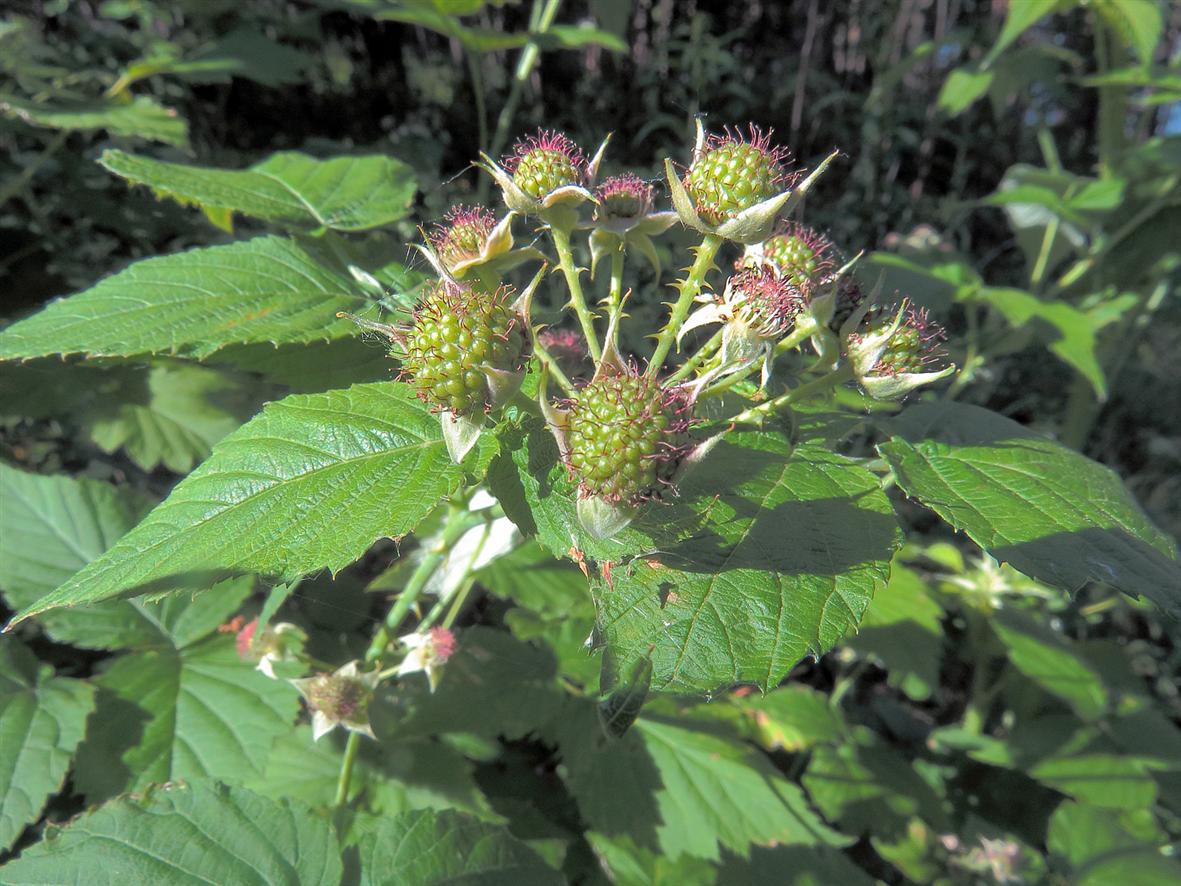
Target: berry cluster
x=623 y=196
x=764 y=301
x=626 y=435
x=915 y=346
x=459 y=335
x=732 y=174
x=800 y=254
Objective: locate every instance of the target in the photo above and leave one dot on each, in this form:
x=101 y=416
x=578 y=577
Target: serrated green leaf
x=790 y=548
x=242 y=53
x=793 y=718
x=435 y=848
x=186 y=836
x=632 y=865
x=289 y=189
x=141 y=118
x=268 y=289
x=308 y=484
x=42 y=719
x=718 y=793
x=1069 y=332
x=182 y=712
x=809 y=866
x=1028 y=501
x=184 y=411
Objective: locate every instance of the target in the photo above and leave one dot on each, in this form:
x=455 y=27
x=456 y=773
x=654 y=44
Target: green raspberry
x=463 y=234
x=545 y=162
x=800 y=254
x=459 y=334
x=733 y=174
x=625 y=436
x=915 y=345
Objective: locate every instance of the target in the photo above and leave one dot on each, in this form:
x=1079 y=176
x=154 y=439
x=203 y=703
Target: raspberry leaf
x=354 y=465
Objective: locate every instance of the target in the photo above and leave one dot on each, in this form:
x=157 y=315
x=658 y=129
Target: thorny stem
x=690 y=288
x=816 y=386
x=570 y=270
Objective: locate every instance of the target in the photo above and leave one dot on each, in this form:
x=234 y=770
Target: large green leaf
x=435 y=848
x=141 y=118
x=186 y=836
x=308 y=484
x=269 y=289
x=1031 y=502
x=289 y=189
x=788 y=549
x=1069 y=332
x=42 y=719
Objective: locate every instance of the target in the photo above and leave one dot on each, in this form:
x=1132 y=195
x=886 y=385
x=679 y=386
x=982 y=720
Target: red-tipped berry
x=800 y=254
x=464 y=234
x=763 y=301
x=462 y=344
x=545 y=162
x=732 y=173
x=625 y=437
x=623 y=197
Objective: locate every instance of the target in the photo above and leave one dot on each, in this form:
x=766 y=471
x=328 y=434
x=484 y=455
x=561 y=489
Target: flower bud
x=545 y=162
x=427 y=653
x=623 y=198
x=339 y=699
x=464 y=234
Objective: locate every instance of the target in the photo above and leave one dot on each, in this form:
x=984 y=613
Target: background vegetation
x=1014 y=167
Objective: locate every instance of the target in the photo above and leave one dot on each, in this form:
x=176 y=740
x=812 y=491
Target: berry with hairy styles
x=732 y=173
x=460 y=340
x=916 y=345
x=625 y=436
x=542 y=163
x=763 y=301
x=463 y=234
x=623 y=197
x=800 y=254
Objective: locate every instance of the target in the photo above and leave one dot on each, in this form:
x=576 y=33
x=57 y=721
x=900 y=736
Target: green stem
x=346 y=770
x=1113 y=104
x=706 y=351
x=473 y=66
x=803 y=392
x=615 y=293
x=690 y=288
x=540 y=21
x=1043 y=256
x=570 y=271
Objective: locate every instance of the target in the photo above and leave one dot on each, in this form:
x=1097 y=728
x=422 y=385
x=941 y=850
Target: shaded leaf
x=141 y=118
x=182 y=835
x=429 y=848
x=42 y=719
x=1028 y=501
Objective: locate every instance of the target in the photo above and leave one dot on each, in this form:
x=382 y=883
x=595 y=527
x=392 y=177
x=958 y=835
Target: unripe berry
x=459 y=336
x=914 y=347
x=732 y=174
x=463 y=234
x=763 y=301
x=625 y=436
x=624 y=196
x=545 y=162
x=800 y=254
